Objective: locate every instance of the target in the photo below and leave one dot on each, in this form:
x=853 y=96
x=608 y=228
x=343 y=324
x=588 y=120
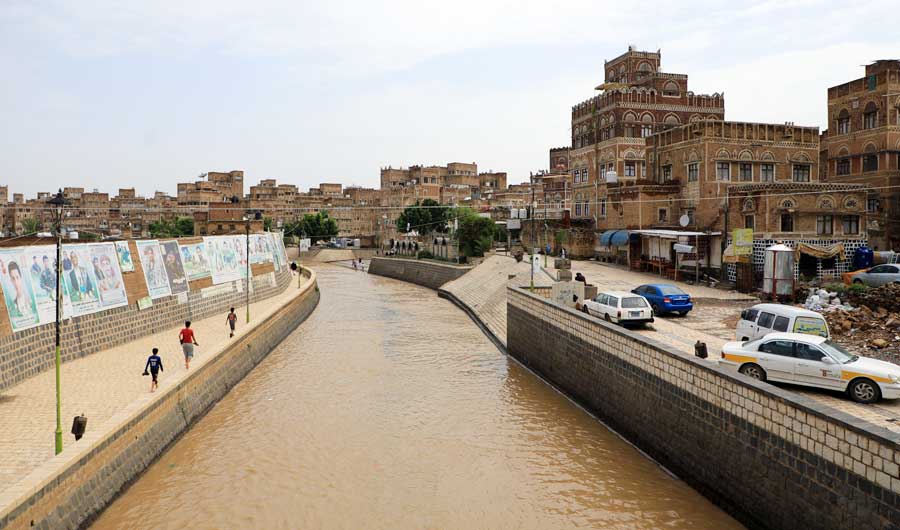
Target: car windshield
x=837 y=352
x=670 y=289
x=632 y=302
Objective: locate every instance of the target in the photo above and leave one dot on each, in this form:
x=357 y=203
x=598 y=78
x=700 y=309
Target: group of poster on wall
x=92 y=281
x=92 y=273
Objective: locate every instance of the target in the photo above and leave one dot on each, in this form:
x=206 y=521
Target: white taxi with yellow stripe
x=813 y=361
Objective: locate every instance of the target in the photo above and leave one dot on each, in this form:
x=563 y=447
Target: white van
x=621 y=307
x=762 y=319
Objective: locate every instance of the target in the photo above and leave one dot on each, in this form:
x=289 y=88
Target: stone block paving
x=484 y=290
x=101 y=384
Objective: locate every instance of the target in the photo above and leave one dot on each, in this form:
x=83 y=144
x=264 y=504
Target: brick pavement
x=101 y=384
x=483 y=289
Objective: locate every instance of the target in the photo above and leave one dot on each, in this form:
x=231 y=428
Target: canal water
x=388 y=408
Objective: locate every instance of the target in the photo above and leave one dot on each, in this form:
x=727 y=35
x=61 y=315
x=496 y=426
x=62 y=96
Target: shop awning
x=614 y=238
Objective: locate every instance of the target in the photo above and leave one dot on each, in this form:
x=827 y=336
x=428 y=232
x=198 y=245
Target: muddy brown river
x=388 y=408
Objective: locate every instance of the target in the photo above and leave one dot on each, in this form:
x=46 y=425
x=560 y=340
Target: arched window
x=843 y=122
x=646 y=125
x=695 y=118
x=672 y=119
x=870 y=116
x=671 y=89
x=610 y=74
x=825 y=203
x=870 y=158
x=748 y=205
x=645 y=67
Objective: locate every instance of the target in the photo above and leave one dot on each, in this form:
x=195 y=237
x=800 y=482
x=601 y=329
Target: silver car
x=878 y=275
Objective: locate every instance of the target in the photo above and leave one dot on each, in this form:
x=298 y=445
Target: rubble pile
x=869 y=324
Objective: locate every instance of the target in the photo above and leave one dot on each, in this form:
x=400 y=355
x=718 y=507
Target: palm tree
x=30 y=225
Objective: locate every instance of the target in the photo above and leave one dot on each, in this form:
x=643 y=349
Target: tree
x=30 y=225
x=179 y=227
x=425 y=218
x=475 y=232
x=267 y=224
x=313 y=226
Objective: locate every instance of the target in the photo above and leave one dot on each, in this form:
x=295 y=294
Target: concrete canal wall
x=72 y=488
x=420 y=272
x=770 y=457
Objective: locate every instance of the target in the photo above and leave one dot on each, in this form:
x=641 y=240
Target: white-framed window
x=663 y=215
x=723 y=171
x=602 y=207
x=801 y=172
x=587 y=208
x=870 y=162
x=746 y=171
x=666 y=173
x=843 y=166
x=578 y=209
x=767 y=172
x=630 y=170
x=646 y=130
x=824 y=225
x=693 y=172
x=851 y=224
x=872 y=204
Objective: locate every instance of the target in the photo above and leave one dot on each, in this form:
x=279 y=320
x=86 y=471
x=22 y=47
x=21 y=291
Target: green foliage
x=180 y=227
x=838 y=288
x=316 y=227
x=88 y=236
x=857 y=288
x=475 y=233
x=267 y=224
x=561 y=236
x=427 y=217
x=425 y=254
x=30 y=225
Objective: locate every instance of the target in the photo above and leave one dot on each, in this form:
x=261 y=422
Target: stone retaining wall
x=421 y=272
x=770 y=457
x=32 y=351
x=72 y=488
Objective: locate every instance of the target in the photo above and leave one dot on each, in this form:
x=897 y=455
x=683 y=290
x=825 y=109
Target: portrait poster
x=43 y=282
x=105 y=263
x=239 y=246
x=178 y=282
x=15 y=279
x=223 y=260
x=154 y=269
x=80 y=280
x=196 y=264
x=276 y=253
x=123 y=251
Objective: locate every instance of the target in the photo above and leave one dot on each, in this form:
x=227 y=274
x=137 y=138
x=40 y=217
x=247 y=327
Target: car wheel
x=683 y=313
x=857 y=281
x=754 y=371
x=745 y=339
x=864 y=391
x=584 y=309
x=606 y=317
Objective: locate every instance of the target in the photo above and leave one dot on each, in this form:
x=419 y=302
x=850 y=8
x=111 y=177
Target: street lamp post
x=257 y=215
x=58 y=202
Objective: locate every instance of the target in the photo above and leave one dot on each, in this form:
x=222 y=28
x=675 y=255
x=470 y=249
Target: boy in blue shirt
x=154 y=364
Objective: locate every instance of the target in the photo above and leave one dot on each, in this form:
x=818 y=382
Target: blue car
x=665 y=298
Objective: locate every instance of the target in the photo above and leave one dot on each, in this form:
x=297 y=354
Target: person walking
x=155 y=366
x=188 y=341
x=232 y=320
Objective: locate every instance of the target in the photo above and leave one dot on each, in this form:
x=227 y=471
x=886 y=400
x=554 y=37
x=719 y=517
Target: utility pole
x=257 y=215
x=58 y=202
x=531 y=216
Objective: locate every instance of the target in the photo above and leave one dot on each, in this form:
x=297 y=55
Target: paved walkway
x=101 y=384
x=484 y=290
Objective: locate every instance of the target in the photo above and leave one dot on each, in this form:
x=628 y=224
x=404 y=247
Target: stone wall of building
x=426 y=273
x=770 y=457
x=71 y=492
x=29 y=352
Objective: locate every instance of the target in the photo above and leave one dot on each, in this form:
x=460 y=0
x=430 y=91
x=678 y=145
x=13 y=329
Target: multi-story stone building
x=862 y=145
x=218 y=187
x=720 y=175
x=276 y=201
x=609 y=130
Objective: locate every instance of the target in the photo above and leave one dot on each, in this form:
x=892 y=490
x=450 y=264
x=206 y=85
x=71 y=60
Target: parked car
x=813 y=361
x=762 y=319
x=665 y=298
x=878 y=275
x=620 y=307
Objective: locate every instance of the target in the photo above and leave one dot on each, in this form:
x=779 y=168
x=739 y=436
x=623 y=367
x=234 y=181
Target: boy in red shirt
x=232 y=320
x=188 y=341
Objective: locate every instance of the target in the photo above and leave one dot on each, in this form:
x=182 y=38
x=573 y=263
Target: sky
x=107 y=94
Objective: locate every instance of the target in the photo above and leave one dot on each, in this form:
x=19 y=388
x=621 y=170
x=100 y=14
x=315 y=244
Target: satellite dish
x=684 y=220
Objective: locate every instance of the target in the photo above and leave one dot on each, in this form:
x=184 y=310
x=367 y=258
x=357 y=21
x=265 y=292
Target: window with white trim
x=767 y=172
x=843 y=166
x=851 y=224
x=693 y=172
x=746 y=171
x=630 y=169
x=723 y=171
x=801 y=172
